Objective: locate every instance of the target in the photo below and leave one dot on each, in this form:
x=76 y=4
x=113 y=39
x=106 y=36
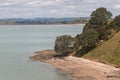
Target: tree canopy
x=64 y=45
x=88 y=37
x=100 y=16
x=93 y=32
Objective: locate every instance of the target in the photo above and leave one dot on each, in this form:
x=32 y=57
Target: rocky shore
x=78 y=68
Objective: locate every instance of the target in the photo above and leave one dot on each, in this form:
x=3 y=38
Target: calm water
x=18 y=42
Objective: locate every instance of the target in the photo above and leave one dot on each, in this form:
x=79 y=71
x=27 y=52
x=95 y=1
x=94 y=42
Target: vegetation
x=94 y=31
x=99 y=40
x=81 y=20
x=100 y=17
x=115 y=24
x=64 y=45
x=87 y=41
x=90 y=36
x=44 y=21
x=108 y=52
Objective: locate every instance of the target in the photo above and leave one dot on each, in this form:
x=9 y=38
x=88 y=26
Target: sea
x=19 y=42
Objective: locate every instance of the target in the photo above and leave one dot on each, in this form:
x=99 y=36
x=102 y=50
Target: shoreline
x=78 y=68
x=46 y=24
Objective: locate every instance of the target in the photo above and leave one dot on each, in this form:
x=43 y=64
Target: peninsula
x=99 y=42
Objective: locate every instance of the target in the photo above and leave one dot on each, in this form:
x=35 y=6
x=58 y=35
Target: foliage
x=115 y=24
x=84 y=50
x=99 y=21
x=64 y=45
x=94 y=31
x=87 y=40
x=98 y=41
x=100 y=17
x=88 y=37
x=108 y=52
x=80 y=21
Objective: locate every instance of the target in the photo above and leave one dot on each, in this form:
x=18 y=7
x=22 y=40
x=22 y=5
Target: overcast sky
x=54 y=8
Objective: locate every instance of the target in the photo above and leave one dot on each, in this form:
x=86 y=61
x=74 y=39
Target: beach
x=78 y=68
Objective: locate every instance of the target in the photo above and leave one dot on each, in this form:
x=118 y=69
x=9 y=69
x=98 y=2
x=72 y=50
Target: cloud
x=90 y=1
x=54 y=8
x=40 y=3
x=65 y=10
x=117 y=6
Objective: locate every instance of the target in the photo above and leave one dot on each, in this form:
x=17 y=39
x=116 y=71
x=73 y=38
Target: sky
x=55 y=8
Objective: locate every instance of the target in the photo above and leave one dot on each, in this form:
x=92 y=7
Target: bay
x=18 y=42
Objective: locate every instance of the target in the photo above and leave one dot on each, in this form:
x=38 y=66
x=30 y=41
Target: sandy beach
x=79 y=68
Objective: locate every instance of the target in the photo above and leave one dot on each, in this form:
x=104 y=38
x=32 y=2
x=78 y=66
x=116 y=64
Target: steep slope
x=107 y=52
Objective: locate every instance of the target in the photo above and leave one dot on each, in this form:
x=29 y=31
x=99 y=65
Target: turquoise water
x=18 y=42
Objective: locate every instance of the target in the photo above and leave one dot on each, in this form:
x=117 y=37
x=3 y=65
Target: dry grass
x=108 y=52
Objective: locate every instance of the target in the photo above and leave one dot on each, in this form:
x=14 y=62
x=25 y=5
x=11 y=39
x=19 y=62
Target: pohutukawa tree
x=64 y=45
x=100 y=16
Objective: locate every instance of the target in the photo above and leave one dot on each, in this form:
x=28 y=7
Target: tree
x=115 y=24
x=87 y=41
x=100 y=16
x=64 y=45
x=88 y=37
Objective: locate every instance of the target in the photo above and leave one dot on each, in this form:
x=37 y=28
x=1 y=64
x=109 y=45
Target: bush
x=88 y=37
x=84 y=50
x=115 y=24
x=64 y=45
x=87 y=40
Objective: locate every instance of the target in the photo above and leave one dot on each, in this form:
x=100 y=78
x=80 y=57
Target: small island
x=92 y=55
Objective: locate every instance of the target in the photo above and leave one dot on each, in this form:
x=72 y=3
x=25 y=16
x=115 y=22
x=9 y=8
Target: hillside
x=99 y=41
x=69 y=20
x=107 y=52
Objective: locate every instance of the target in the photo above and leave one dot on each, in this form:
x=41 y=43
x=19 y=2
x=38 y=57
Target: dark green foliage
x=99 y=17
x=84 y=50
x=93 y=32
x=88 y=37
x=103 y=33
x=64 y=45
x=87 y=40
x=115 y=24
x=98 y=21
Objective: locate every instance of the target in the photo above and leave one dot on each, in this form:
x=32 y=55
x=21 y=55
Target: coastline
x=46 y=24
x=78 y=68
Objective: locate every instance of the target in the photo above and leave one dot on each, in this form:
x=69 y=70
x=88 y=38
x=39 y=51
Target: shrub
x=64 y=45
x=88 y=37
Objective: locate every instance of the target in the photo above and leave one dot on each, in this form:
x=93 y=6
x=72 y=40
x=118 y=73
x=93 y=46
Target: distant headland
x=37 y=21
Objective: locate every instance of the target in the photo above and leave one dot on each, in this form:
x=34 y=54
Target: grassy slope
x=108 y=52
